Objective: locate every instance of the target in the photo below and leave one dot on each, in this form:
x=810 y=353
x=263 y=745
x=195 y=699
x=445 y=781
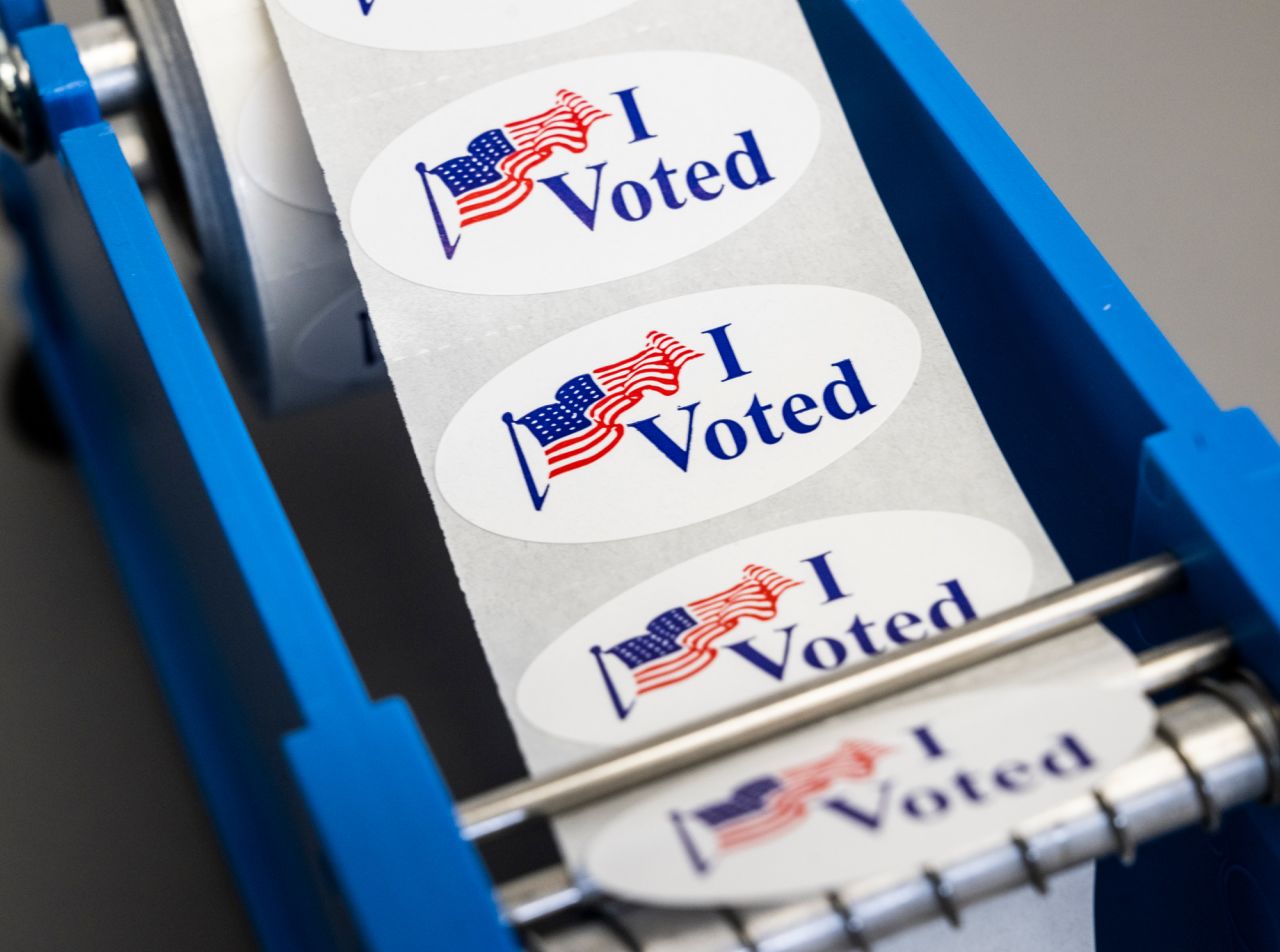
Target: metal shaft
x=1215 y=750
x=111 y=59
x=16 y=103
x=980 y=641
x=110 y=56
x=553 y=891
x=1180 y=661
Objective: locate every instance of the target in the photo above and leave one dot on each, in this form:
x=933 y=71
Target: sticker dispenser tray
x=330 y=802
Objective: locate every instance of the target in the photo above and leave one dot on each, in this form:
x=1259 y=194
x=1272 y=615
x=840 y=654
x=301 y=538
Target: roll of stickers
x=269 y=240
x=693 y=431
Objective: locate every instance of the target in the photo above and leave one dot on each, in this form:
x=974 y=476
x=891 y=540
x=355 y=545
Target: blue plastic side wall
x=1070 y=372
x=17 y=15
x=1116 y=444
x=335 y=819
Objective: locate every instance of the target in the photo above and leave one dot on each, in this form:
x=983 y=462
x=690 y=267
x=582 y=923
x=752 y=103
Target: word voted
x=967 y=787
x=633 y=201
x=869 y=795
x=770 y=653
x=764 y=422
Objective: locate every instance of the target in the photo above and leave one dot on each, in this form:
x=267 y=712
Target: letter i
x=639 y=131
x=720 y=337
x=932 y=749
x=826 y=578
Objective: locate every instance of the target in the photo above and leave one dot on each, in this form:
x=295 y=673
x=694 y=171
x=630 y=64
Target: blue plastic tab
x=18 y=15
x=62 y=87
x=386 y=816
x=1211 y=494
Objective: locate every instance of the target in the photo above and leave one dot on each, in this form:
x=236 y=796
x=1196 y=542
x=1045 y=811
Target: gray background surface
x=1154 y=120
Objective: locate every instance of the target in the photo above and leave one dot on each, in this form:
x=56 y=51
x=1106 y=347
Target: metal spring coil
x=1216 y=749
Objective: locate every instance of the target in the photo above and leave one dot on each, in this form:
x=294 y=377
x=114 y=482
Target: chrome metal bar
x=1214 y=745
x=110 y=56
x=1180 y=661
x=542 y=895
x=983 y=640
x=552 y=891
x=111 y=59
x=16 y=105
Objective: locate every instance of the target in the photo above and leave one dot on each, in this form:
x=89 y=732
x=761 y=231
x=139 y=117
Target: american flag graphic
x=682 y=642
x=765 y=807
x=493 y=177
x=582 y=425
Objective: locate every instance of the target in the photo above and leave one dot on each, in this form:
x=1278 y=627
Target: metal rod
x=111 y=59
x=16 y=104
x=1208 y=748
x=110 y=56
x=1179 y=661
x=979 y=641
x=543 y=895
x=552 y=891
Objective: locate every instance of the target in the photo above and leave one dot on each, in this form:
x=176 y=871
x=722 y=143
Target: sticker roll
x=274 y=260
x=693 y=431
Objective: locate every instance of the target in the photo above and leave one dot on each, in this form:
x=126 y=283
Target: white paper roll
x=273 y=253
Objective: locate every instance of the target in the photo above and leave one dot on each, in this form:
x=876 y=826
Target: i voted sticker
x=676 y=412
x=769 y=612
x=857 y=798
x=470 y=24
x=585 y=172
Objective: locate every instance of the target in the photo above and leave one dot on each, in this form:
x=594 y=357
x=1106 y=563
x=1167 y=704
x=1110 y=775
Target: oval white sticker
x=855 y=798
x=585 y=172
x=473 y=24
x=676 y=412
x=769 y=612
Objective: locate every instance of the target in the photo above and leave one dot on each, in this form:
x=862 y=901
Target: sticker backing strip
x=691 y=427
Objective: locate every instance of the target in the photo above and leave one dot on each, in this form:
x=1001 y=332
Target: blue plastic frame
x=19 y=15
x=335 y=819
x=1135 y=456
